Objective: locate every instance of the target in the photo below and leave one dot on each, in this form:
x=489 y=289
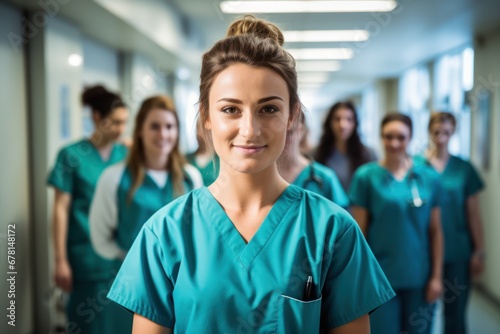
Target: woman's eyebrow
x=265 y=99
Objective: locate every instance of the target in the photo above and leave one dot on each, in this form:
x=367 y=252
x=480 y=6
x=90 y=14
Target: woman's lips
x=249 y=149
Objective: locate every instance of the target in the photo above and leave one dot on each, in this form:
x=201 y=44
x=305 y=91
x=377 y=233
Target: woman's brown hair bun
x=251 y=25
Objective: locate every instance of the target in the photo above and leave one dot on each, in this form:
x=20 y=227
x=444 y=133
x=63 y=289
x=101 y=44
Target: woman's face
x=159 y=132
x=343 y=124
x=395 y=137
x=441 y=133
x=248 y=117
x=114 y=125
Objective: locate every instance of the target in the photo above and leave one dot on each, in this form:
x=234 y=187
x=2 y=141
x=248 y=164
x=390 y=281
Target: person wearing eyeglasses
x=396 y=204
x=297 y=169
x=462 y=225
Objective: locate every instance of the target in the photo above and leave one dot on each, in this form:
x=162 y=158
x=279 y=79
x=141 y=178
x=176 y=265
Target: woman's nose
x=250 y=126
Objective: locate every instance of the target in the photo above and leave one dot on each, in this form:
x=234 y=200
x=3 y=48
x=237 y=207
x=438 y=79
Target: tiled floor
x=483 y=316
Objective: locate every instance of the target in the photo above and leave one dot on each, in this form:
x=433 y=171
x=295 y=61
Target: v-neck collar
x=99 y=156
x=446 y=166
x=247 y=252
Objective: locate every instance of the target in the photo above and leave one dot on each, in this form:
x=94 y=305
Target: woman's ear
x=96 y=117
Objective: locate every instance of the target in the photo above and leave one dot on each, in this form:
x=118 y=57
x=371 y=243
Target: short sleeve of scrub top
x=358 y=194
x=189 y=269
x=61 y=176
x=352 y=269
x=473 y=182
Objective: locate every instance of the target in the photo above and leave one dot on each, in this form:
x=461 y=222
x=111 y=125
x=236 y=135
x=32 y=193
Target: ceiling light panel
x=326 y=36
x=242 y=7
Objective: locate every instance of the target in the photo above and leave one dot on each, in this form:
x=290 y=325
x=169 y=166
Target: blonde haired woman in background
x=129 y=193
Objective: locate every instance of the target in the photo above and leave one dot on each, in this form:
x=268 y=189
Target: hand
x=63 y=275
x=476 y=264
x=434 y=290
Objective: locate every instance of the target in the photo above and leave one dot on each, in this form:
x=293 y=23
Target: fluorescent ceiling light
x=326 y=36
x=322 y=53
x=318 y=66
x=242 y=7
x=75 y=60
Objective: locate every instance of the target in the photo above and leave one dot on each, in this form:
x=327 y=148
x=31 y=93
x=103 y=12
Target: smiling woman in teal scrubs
x=128 y=194
x=236 y=257
x=462 y=226
x=396 y=205
x=78 y=268
x=296 y=169
x=155 y=173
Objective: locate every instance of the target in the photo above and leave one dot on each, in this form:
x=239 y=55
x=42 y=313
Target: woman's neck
x=341 y=146
x=244 y=192
x=397 y=162
x=439 y=153
x=99 y=141
x=155 y=161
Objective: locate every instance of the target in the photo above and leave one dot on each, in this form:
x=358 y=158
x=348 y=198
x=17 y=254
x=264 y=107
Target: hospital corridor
x=270 y=166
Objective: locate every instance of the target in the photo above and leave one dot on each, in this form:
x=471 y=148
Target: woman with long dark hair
x=340 y=146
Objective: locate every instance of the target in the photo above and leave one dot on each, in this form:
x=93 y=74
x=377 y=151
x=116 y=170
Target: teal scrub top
x=459 y=180
x=398 y=231
x=322 y=180
x=77 y=169
x=148 y=199
x=189 y=269
x=209 y=172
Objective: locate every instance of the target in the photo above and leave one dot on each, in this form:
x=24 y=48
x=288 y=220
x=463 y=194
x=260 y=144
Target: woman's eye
x=269 y=109
x=155 y=126
x=229 y=110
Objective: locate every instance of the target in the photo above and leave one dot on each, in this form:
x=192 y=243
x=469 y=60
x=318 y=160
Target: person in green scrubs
x=396 y=204
x=79 y=270
x=155 y=173
x=129 y=193
x=462 y=226
x=297 y=169
x=250 y=253
x=204 y=160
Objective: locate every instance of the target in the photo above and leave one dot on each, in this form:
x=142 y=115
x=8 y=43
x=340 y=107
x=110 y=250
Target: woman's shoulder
x=461 y=162
x=426 y=170
x=368 y=169
x=322 y=170
x=77 y=147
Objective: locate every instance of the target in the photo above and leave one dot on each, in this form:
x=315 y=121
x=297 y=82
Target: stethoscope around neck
x=415 y=201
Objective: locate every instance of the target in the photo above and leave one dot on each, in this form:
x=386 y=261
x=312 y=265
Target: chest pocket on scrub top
x=297 y=316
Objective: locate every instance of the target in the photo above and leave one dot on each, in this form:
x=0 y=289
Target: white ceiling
x=417 y=31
